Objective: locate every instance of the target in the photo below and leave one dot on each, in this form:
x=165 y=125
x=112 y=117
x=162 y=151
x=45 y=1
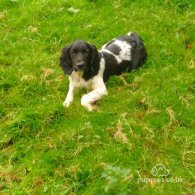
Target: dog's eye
x=73 y=52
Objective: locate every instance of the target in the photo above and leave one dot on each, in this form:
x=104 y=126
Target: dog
x=88 y=67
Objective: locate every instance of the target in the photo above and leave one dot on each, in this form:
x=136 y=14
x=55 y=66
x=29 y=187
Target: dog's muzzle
x=79 y=66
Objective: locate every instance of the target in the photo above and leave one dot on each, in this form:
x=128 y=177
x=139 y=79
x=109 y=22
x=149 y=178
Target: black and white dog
x=88 y=67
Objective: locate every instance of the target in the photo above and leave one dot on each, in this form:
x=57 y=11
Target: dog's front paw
x=90 y=107
x=87 y=104
x=67 y=103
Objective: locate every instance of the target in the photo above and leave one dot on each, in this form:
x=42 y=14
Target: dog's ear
x=95 y=59
x=65 y=60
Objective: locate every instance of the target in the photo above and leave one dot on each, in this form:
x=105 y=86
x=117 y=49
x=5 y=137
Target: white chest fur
x=77 y=80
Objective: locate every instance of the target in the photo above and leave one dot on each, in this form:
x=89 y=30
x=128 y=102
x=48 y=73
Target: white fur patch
x=78 y=81
x=125 y=53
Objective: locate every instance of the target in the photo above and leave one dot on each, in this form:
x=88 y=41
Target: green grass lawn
x=144 y=121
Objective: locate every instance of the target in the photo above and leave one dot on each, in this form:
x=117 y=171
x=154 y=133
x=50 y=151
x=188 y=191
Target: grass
x=144 y=121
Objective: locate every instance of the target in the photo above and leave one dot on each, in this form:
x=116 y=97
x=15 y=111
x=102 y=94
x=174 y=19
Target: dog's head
x=79 y=56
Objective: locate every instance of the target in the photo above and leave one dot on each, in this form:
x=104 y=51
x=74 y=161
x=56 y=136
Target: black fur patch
x=112 y=67
x=94 y=65
x=65 y=61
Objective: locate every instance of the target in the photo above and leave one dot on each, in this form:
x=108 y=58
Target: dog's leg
x=99 y=90
x=70 y=94
x=90 y=98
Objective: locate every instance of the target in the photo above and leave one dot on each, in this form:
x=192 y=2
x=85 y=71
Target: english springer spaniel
x=88 y=67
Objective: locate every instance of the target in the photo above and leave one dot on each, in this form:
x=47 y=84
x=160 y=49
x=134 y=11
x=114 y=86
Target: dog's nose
x=80 y=65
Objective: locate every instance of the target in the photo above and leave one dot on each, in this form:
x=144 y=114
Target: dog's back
x=123 y=53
